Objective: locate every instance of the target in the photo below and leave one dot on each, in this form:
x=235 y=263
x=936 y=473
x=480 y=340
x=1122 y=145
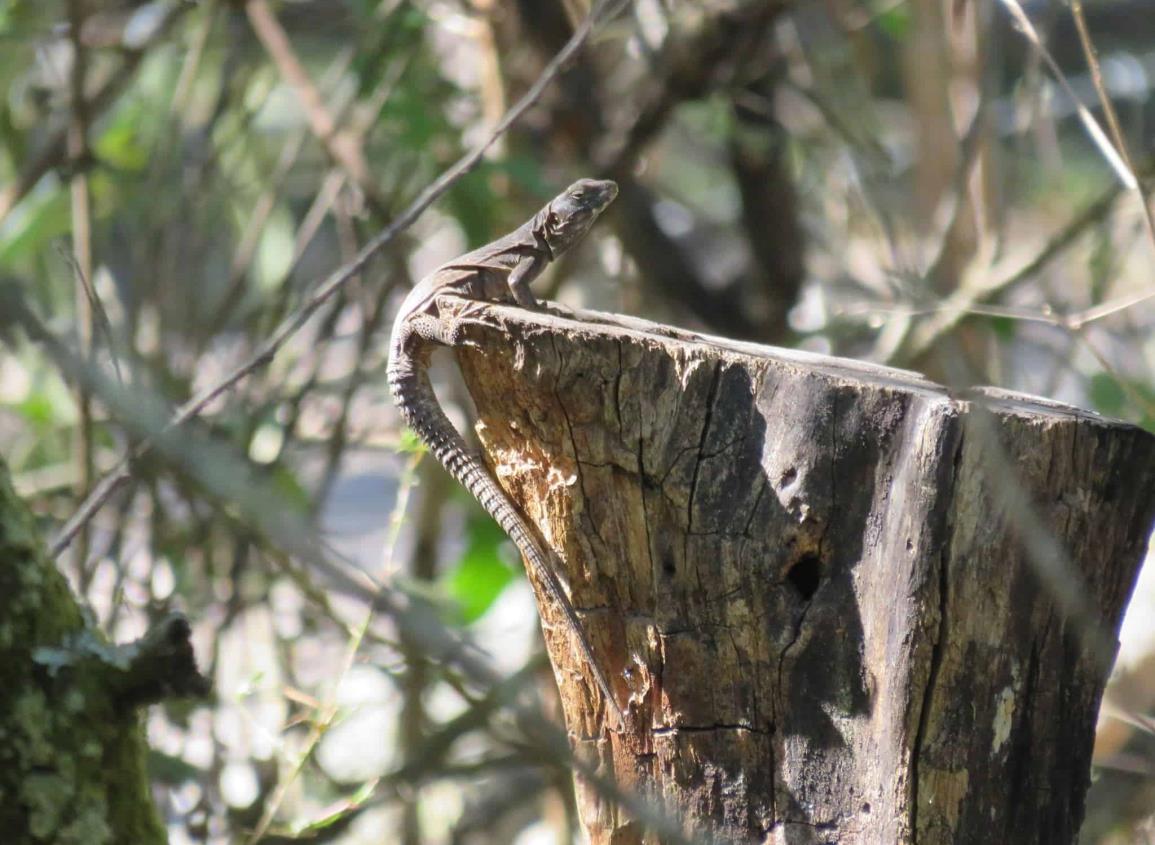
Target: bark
x=72 y=753
x=840 y=603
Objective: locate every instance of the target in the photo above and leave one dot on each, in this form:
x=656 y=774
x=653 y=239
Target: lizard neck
x=537 y=228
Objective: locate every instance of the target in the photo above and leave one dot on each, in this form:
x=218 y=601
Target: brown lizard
x=432 y=316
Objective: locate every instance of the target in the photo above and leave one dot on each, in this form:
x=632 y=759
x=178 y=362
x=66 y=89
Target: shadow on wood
x=839 y=604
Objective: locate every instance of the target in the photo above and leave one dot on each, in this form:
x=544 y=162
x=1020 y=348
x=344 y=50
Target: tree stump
x=839 y=603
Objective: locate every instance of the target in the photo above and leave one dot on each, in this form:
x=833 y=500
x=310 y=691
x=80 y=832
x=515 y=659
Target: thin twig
x=372 y=315
x=81 y=217
x=604 y=10
x=341 y=145
x=102 y=323
x=973 y=299
x=327 y=711
x=54 y=150
x=911 y=344
x=192 y=59
x=1128 y=387
x=258 y=218
x=1094 y=130
x=1109 y=110
x=1094 y=212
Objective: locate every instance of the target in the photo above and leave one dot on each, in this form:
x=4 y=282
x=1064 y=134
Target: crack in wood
x=889 y=649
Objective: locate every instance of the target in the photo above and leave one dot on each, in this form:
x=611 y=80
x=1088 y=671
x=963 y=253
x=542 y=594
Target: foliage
x=800 y=176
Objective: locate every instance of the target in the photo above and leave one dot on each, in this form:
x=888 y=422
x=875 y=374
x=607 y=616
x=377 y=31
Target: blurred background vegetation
x=908 y=181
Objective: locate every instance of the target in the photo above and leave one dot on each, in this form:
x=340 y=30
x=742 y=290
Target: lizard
x=432 y=315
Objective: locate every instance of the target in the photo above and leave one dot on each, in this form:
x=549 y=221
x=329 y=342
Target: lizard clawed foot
x=473 y=314
x=557 y=309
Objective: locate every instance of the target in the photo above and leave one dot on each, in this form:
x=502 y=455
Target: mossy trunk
x=72 y=749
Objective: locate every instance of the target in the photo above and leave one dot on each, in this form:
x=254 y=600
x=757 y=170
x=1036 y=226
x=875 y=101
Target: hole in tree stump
x=804 y=575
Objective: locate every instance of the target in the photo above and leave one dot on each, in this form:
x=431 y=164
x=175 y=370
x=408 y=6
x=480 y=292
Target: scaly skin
x=498 y=272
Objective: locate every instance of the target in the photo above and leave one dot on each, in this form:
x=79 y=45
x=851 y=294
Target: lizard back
x=497 y=272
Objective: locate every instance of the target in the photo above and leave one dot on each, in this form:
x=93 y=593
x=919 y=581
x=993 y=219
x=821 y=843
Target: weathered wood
x=818 y=584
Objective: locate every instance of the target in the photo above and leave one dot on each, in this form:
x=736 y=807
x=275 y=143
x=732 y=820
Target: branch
x=108 y=485
x=55 y=150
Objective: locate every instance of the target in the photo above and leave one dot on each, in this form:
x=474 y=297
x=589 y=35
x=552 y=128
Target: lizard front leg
x=528 y=268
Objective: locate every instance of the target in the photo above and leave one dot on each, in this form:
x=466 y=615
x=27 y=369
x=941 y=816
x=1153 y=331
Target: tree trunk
x=840 y=603
x=72 y=751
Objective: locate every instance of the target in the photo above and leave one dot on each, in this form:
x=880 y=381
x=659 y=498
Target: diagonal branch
x=343 y=146
x=602 y=12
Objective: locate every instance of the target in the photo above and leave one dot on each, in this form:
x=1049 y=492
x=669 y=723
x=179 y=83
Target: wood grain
x=842 y=604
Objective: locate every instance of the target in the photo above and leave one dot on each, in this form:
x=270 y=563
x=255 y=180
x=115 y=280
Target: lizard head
x=572 y=212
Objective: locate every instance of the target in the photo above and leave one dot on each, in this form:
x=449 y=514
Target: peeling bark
x=828 y=593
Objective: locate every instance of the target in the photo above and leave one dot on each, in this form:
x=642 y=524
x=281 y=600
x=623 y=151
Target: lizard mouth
x=608 y=190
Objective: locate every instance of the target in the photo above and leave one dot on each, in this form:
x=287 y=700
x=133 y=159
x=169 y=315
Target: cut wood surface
x=838 y=603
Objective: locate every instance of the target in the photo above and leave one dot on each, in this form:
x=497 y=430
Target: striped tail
x=414 y=396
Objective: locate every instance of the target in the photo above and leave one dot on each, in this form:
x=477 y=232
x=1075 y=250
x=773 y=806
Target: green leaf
x=480 y=575
x=10 y=135
x=120 y=145
x=43 y=216
x=167 y=769
x=290 y=487
x=1107 y=395
x=1003 y=327
x=526 y=171
x=409 y=117
x=473 y=205
x=38 y=411
x=48 y=405
x=895 y=22
x=410 y=443
x=1102 y=264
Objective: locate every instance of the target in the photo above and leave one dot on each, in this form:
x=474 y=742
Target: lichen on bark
x=72 y=760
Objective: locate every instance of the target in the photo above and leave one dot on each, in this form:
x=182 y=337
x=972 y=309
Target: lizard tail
x=414 y=396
